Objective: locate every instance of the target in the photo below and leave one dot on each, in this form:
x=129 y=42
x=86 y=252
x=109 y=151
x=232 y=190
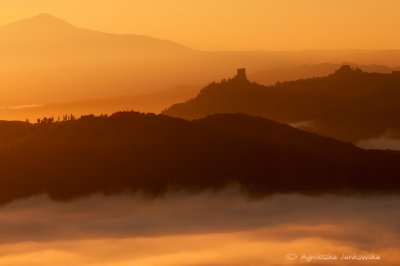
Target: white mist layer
x=381 y=143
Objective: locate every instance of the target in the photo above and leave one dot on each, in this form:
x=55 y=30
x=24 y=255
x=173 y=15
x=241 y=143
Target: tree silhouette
x=130 y=151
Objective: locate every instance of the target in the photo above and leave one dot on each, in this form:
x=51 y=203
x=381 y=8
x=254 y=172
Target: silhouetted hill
x=58 y=59
x=45 y=58
x=45 y=32
x=271 y=76
x=349 y=104
x=130 y=151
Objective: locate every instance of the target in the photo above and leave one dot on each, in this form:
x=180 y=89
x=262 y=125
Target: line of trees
x=70 y=117
x=51 y=119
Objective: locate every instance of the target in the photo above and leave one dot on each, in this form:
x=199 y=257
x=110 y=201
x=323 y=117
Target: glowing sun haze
x=231 y=24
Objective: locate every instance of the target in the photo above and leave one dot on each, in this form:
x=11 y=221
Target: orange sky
x=232 y=24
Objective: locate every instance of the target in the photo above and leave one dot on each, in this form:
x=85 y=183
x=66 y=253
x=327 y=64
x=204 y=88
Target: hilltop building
x=241 y=73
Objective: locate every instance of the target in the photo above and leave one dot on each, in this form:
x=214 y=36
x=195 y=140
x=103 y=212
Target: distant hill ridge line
x=348 y=104
x=130 y=152
x=53 y=23
x=58 y=60
x=270 y=77
x=46 y=19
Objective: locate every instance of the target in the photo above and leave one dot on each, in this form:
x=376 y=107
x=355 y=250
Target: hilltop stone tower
x=241 y=74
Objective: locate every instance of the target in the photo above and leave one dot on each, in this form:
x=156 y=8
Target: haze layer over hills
x=154 y=102
x=47 y=60
x=296 y=159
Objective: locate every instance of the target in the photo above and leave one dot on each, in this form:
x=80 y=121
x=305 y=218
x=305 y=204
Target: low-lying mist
x=202 y=229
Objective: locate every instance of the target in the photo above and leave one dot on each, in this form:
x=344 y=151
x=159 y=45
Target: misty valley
x=124 y=149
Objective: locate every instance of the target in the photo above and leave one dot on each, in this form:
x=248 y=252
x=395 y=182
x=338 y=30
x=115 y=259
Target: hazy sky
x=232 y=24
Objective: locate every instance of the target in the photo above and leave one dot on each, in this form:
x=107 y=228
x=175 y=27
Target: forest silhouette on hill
x=271 y=76
x=154 y=154
x=348 y=105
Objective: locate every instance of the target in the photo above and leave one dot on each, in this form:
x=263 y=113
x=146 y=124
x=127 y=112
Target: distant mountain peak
x=46 y=29
x=45 y=15
x=47 y=18
x=41 y=21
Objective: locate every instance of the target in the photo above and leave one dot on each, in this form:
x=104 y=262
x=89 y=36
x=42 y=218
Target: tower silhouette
x=241 y=74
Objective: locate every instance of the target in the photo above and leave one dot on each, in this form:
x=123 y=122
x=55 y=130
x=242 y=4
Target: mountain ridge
x=156 y=154
x=43 y=19
x=76 y=63
x=46 y=21
x=349 y=104
x=272 y=76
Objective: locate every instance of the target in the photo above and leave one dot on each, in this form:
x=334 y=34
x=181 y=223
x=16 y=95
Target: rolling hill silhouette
x=45 y=58
x=156 y=102
x=272 y=76
x=348 y=105
x=129 y=151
